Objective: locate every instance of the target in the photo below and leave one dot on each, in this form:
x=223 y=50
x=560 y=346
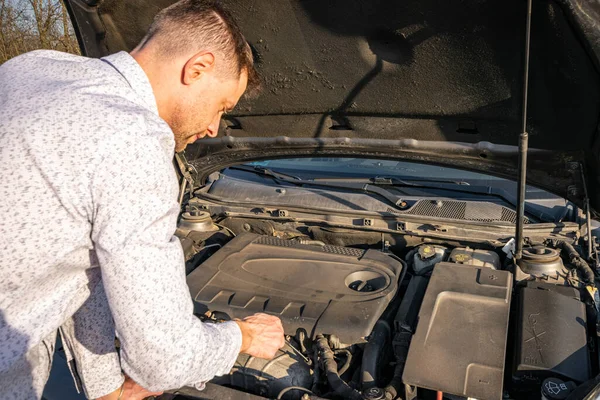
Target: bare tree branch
x=27 y=25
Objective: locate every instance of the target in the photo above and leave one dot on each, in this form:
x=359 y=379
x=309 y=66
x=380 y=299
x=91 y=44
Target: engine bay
x=380 y=316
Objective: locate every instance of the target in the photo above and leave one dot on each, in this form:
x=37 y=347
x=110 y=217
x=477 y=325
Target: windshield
x=366 y=167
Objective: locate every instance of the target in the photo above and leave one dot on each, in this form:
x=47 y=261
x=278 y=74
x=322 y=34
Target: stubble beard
x=183 y=130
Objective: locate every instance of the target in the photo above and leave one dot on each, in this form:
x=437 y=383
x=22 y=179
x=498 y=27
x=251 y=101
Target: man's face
x=199 y=109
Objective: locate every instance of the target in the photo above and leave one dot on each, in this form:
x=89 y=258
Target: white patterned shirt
x=88 y=193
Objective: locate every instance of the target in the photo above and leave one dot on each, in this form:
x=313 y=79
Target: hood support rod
x=523 y=143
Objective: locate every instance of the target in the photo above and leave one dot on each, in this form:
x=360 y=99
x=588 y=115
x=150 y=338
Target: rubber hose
x=396 y=384
x=374 y=349
x=575 y=259
x=587 y=390
x=335 y=343
x=348 y=361
x=339 y=387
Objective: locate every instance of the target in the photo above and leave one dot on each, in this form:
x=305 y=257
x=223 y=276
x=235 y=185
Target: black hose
x=348 y=361
x=339 y=387
x=317 y=375
x=401 y=346
x=371 y=362
x=574 y=258
x=588 y=390
x=393 y=389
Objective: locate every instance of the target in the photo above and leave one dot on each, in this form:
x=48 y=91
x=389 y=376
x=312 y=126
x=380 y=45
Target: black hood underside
x=376 y=70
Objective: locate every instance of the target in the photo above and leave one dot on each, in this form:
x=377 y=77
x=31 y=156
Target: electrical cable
x=288 y=389
x=226 y=228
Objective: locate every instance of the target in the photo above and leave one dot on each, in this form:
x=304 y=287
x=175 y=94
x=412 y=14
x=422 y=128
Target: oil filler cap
x=555 y=389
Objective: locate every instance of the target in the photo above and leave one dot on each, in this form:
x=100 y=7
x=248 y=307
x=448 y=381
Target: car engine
x=325 y=289
x=373 y=316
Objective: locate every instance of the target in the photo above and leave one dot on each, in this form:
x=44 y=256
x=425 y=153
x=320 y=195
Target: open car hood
x=424 y=80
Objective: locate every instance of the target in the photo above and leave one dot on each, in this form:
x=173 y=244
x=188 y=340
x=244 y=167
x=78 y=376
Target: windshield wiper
x=383 y=180
x=265 y=172
x=366 y=187
x=374 y=185
x=455 y=186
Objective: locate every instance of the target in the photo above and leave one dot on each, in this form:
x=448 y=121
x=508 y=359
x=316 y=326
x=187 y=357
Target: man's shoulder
x=73 y=99
x=42 y=57
x=51 y=85
x=42 y=75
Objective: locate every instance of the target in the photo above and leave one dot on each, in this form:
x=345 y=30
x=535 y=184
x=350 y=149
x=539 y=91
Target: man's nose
x=213 y=128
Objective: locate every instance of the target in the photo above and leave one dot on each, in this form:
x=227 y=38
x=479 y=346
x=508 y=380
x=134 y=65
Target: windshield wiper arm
x=366 y=187
x=277 y=176
x=460 y=187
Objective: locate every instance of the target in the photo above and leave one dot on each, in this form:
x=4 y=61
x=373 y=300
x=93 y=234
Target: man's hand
x=262 y=335
x=131 y=391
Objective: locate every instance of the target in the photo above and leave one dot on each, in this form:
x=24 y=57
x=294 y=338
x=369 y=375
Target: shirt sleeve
x=163 y=345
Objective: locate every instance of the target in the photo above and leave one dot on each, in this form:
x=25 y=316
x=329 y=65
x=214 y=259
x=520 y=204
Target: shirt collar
x=133 y=73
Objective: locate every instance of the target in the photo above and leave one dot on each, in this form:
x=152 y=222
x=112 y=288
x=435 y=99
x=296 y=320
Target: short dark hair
x=190 y=24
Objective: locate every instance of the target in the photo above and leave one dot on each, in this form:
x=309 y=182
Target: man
x=88 y=208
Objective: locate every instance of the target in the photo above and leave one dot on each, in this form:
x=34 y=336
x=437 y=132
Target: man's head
x=198 y=64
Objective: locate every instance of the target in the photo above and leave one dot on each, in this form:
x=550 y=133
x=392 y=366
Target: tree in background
x=27 y=25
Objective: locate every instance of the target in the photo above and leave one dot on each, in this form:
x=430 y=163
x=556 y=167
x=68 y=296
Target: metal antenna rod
x=523 y=142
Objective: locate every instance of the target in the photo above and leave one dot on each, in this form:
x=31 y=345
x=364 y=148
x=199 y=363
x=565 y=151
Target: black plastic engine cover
x=551 y=334
x=329 y=289
x=460 y=342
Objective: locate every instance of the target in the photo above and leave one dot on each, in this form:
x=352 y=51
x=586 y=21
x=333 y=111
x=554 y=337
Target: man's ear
x=199 y=64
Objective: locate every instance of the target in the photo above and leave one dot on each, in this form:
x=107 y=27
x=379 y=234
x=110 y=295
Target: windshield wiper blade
x=366 y=187
x=390 y=180
x=278 y=176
